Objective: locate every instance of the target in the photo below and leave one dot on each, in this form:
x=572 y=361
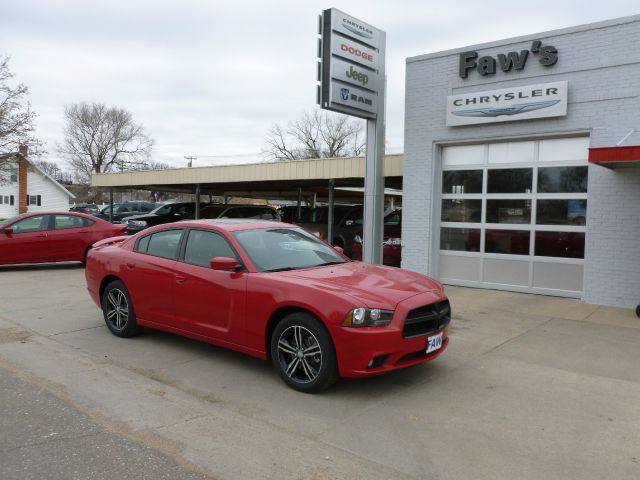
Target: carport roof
x=256 y=179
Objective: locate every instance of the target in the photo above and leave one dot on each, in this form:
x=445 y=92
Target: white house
x=29 y=189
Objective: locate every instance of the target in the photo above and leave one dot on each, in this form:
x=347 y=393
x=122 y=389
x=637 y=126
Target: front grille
x=427 y=319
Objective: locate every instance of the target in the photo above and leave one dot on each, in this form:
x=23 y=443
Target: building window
x=14 y=175
x=34 y=200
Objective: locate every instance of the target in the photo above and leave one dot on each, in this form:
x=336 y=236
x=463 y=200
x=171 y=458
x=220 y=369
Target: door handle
x=180 y=280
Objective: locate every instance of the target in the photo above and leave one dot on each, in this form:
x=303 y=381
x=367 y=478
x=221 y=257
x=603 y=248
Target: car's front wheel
x=118 y=311
x=303 y=353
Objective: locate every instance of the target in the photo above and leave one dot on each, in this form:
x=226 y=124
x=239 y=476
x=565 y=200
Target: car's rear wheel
x=118 y=311
x=303 y=353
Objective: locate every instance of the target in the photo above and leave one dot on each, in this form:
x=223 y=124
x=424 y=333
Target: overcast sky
x=209 y=78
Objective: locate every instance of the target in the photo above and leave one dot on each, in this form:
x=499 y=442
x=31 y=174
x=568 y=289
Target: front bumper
x=386 y=347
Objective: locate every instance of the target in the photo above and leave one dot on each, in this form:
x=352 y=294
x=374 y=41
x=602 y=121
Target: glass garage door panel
x=513 y=215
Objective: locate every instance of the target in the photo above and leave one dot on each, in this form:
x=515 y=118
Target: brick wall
x=601 y=62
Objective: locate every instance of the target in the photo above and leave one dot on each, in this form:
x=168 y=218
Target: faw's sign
x=547 y=55
x=508 y=104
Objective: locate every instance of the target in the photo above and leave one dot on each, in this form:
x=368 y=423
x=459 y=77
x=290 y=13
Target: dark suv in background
x=126 y=209
x=347 y=223
x=173 y=212
x=256 y=212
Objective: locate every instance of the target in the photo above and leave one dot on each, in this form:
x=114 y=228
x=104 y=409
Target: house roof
x=39 y=170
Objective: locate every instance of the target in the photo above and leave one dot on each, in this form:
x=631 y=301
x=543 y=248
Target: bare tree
x=99 y=139
x=315 y=135
x=54 y=171
x=16 y=120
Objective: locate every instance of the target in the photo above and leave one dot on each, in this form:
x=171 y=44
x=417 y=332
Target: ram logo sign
x=517 y=103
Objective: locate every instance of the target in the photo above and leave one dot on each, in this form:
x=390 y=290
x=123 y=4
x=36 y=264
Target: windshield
x=278 y=249
x=163 y=210
x=3 y=223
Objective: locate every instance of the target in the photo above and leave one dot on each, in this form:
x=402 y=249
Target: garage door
x=512 y=215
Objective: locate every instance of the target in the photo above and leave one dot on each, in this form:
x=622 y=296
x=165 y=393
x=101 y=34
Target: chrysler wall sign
x=351 y=71
x=508 y=104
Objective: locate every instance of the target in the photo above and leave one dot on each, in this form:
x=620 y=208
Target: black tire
x=118 y=311
x=309 y=372
x=638 y=311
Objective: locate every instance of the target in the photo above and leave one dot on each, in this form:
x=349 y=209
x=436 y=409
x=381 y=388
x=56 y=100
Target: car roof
x=231 y=224
x=75 y=214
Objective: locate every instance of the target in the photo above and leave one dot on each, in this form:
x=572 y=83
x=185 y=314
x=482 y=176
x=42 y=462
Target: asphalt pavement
x=46 y=437
x=530 y=387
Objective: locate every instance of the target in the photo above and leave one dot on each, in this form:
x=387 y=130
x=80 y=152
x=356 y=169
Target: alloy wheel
x=299 y=354
x=117 y=309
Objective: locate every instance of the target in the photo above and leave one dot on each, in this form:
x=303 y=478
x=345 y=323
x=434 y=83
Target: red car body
x=52 y=237
x=240 y=309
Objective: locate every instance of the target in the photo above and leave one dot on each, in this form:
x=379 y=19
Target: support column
x=299 y=211
x=197 y=215
x=329 y=238
x=111 y=205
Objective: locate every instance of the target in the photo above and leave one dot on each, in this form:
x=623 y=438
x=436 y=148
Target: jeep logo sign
x=353 y=74
x=547 y=55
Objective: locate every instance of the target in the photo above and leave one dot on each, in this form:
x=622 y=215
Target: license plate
x=434 y=343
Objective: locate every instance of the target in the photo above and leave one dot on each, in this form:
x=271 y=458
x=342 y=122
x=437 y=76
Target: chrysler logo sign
x=517 y=103
x=497 y=111
x=356 y=28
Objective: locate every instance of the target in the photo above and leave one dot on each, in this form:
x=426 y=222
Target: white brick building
x=29 y=189
x=499 y=189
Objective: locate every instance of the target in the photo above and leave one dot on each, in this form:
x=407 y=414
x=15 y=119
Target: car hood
x=376 y=286
x=146 y=216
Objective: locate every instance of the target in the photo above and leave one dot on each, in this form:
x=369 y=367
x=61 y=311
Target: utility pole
x=191 y=159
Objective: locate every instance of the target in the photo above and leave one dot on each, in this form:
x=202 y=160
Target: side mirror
x=7 y=231
x=224 y=263
x=338 y=249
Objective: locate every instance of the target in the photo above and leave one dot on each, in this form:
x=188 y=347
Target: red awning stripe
x=614 y=154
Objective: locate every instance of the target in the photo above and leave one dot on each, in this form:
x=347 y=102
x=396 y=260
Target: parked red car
x=391 y=241
x=51 y=237
x=271 y=290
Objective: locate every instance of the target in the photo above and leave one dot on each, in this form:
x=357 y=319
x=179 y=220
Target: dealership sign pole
x=352 y=81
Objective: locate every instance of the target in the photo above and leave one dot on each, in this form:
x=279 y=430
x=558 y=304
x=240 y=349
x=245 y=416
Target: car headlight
x=367 y=317
x=137 y=223
x=357 y=239
x=392 y=241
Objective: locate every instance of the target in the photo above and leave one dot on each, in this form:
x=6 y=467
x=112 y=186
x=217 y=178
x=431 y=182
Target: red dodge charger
x=51 y=237
x=270 y=290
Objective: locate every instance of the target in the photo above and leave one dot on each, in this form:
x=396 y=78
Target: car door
x=150 y=277
x=68 y=238
x=210 y=302
x=28 y=243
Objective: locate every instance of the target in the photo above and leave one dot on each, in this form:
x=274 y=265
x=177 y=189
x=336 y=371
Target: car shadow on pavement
x=30 y=267
x=202 y=365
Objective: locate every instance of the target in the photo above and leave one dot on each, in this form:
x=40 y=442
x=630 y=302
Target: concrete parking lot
x=531 y=387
